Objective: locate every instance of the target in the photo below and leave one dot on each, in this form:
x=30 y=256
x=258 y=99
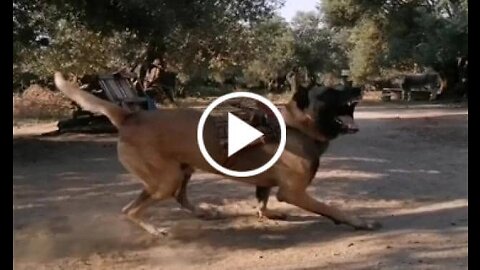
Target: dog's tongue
x=349 y=123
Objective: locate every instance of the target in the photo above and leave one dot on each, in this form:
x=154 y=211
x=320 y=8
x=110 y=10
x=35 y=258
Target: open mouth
x=347 y=124
x=353 y=102
x=345 y=119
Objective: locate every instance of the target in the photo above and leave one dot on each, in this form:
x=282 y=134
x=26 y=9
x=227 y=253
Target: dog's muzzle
x=347 y=124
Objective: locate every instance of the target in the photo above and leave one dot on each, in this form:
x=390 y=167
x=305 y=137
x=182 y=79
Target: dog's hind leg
x=181 y=194
x=262 y=194
x=182 y=198
x=161 y=179
x=134 y=209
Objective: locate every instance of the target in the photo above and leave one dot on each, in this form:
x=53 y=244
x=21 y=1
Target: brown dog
x=160 y=148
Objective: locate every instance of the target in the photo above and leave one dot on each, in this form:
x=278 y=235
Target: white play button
x=240 y=134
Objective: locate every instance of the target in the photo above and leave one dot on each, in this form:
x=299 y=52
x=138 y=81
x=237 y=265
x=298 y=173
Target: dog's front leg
x=301 y=199
x=262 y=194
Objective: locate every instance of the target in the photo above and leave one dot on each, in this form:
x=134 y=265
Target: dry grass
x=40 y=103
x=372 y=96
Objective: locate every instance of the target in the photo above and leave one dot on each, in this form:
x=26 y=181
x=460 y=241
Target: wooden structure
x=120 y=90
x=117 y=89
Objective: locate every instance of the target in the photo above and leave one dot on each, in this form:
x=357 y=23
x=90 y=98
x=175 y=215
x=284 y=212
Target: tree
x=315 y=48
x=272 y=50
x=193 y=35
x=365 y=56
x=153 y=21
x=396 y=33
x=359 y=28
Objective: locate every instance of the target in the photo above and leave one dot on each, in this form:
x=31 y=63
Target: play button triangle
x=240 y=134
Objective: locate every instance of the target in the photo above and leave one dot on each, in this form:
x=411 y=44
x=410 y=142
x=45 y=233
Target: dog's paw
x=155 y=231
x=270 y=214
x=159 y=232
x=208 y=213
x=368 y=225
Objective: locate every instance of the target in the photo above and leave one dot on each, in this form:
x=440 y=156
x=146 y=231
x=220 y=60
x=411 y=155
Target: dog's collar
x=315 y=135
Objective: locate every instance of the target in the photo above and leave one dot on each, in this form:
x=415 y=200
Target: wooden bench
x=387 y=93
x=117 y=89
x=120 y=90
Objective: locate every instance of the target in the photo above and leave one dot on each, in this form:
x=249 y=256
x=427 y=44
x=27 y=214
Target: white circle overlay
x=229 y=172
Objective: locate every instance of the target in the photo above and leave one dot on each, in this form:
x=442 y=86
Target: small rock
x=389 y=247
x=261 y=257
x=351 y=244
x=453 y=223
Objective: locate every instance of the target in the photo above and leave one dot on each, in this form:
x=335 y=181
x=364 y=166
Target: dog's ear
x=311 y=80
x=301 y=97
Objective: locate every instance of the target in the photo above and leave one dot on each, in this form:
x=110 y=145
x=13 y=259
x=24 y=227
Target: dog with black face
x=325 y=113
x=333 y=109
x=160 y=149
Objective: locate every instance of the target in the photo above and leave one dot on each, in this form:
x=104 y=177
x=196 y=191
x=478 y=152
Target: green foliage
x=384 y=34
x=341 y=13
x=72 y=42
x=315 y=47
x=218 y=40
x=367 y=38
x=197 y=38
x=272 y=50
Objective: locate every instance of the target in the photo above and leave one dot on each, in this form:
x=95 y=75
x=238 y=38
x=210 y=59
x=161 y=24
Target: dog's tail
x=91 y=103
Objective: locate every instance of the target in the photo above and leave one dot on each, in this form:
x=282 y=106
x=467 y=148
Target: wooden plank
x=121 y=91
x=110 y=85
x=107 y=90
x=134 y=100
x=128 y=88
x=392 y=89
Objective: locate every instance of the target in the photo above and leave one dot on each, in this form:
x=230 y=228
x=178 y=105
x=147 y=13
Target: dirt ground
x=407 y=168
